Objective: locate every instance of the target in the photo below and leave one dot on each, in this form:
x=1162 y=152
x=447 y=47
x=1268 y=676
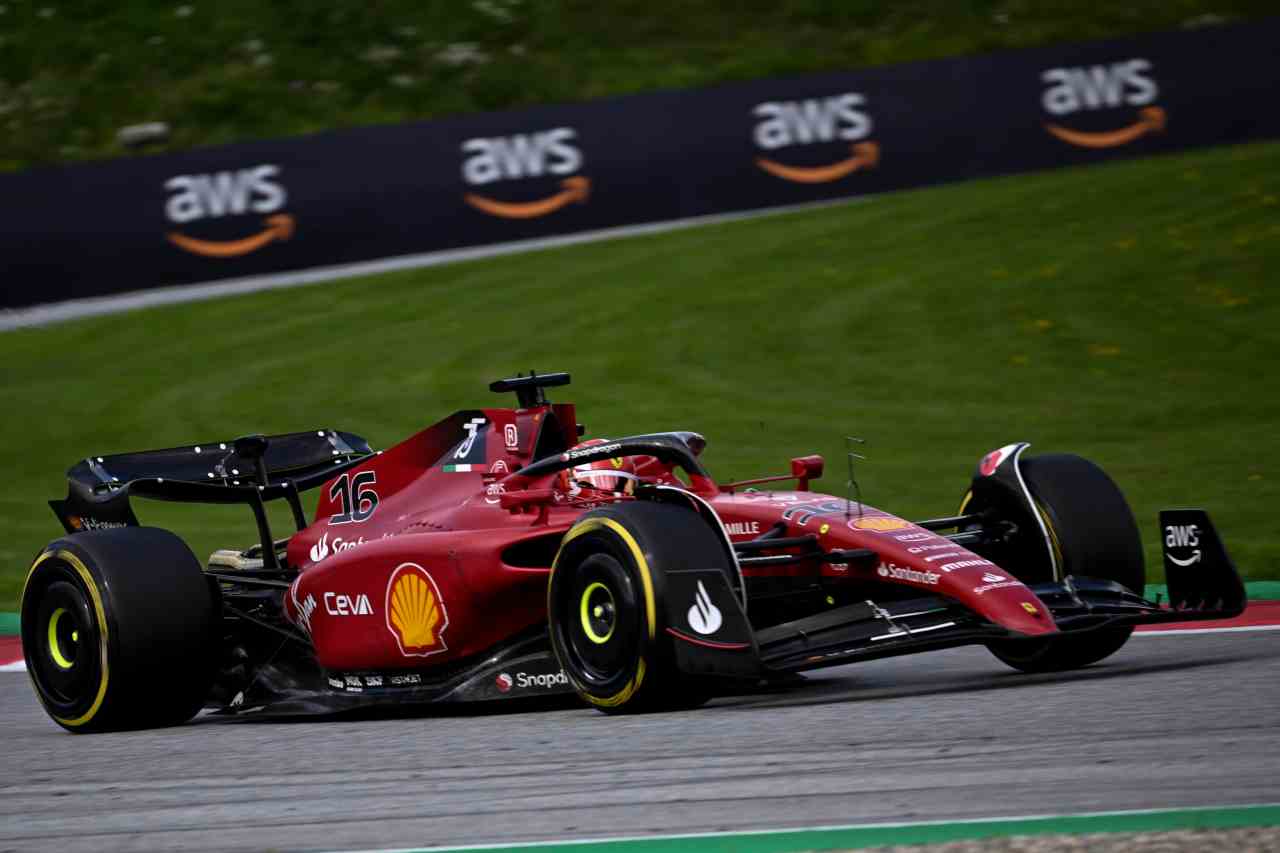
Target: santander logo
x=704 y=617
x=321 y=549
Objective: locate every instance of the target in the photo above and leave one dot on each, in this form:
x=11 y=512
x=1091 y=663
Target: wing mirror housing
x=806 y=468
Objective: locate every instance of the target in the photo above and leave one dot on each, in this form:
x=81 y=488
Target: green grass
x=1127 y=312
x=72 y=74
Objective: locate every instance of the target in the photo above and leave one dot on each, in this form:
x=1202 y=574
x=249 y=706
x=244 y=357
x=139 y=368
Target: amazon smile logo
x=1150 y=120
x=1072 y=90
x=198 y=197
x=544 y=153
x=833 y=118
x=865 y=156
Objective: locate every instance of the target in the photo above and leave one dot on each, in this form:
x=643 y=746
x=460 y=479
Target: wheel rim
x=600 y=637
x=598 y=613
x=68 y=636
x=62 y=644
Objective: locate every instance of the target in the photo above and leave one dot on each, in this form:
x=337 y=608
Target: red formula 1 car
x=494 y=556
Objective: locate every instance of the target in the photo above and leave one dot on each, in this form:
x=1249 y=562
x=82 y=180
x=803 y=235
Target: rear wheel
x=1093 y=534
x=119 y=630
x=605 y=604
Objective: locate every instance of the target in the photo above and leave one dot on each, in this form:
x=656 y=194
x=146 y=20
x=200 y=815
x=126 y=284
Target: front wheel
x=119 y=630
x=605 y=604
x=1093 y=534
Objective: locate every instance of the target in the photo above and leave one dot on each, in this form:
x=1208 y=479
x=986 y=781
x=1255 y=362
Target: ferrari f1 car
x=494 y=555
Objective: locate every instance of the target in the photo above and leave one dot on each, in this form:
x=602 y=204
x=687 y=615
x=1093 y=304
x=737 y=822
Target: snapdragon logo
x=543 y=680
x=1074 y=89
x=523 y=156
x=215 y=195
x=814 y=121
x=523 y=680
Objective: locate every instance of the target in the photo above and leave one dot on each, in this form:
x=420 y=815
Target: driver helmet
x=605 y=477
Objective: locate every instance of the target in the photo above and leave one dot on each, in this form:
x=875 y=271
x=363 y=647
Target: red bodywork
x=412 y=560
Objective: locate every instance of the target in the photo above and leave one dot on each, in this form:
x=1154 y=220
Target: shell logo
x=415 y=611
x=879 y=523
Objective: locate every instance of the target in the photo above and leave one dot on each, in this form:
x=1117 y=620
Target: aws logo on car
x=255 y=191
x=1112 y=86
x=541 y=154
x=822 y=122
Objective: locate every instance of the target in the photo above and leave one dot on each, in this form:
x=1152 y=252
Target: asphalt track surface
x=1170 y=721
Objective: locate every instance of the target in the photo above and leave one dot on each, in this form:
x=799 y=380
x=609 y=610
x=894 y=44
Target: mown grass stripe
x=923 y=832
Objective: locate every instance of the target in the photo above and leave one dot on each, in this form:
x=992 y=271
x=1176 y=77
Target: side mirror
x=806 y=468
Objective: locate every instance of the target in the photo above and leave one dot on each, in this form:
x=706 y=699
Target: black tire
x=605 y=604
x=119 y=630
x=1094 y=535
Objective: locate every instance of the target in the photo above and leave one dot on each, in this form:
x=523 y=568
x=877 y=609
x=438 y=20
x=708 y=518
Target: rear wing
x=250 y=470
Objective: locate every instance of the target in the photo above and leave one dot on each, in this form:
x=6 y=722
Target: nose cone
x=919 y=558
x=1019 y=610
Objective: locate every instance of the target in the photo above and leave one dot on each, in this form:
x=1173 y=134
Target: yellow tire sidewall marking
x=622 y=695
x=642 y=564
x=80 y=569
x=1054 y=543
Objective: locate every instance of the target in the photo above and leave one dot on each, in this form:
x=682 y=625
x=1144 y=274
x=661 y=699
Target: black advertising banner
x=287 y=205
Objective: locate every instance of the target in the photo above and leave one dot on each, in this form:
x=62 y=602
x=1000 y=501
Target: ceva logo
x=522 y=156
x=233 y=193
x=813 y=121
x=1101 y=87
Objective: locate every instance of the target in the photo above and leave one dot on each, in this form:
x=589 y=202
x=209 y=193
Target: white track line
x=57 y=312
x=1179 y=632
x=16 y=666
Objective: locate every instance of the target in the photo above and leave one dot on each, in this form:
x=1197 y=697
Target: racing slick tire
x=605 y=604
x=1094 y=534
x=119 y=630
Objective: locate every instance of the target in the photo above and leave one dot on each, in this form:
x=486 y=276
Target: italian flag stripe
x=462 y=468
